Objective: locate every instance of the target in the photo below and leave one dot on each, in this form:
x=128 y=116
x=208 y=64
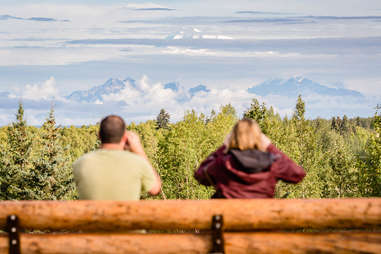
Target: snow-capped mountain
x=290 y=88
x=112 y=86
x=129 y=88
x=299 y=85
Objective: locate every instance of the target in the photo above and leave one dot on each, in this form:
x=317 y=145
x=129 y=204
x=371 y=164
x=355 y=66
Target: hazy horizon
x=50 y=49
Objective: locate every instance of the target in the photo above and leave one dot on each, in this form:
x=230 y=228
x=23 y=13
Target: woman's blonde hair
x=246 y=134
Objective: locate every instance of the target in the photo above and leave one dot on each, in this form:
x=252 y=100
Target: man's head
x=112 y=129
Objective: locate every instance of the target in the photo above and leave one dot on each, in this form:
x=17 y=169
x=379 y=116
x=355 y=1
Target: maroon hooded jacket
x=248 y=173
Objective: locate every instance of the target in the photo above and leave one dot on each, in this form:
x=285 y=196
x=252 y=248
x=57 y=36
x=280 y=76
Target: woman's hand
x=227 y=142
x=265 y=141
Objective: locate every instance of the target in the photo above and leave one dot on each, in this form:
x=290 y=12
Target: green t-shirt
x=112 y=175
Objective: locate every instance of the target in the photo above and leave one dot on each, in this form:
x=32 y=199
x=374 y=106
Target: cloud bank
x=141 y=100
x=40 y=19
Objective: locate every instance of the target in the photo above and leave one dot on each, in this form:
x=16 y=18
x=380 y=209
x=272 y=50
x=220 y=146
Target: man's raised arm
x=134 y=145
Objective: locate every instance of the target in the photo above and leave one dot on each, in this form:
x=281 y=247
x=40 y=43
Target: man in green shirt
x=119 y=170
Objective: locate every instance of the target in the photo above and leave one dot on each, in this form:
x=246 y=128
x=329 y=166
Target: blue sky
x=49 y=49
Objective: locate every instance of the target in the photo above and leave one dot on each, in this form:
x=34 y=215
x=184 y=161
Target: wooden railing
x=185 y=226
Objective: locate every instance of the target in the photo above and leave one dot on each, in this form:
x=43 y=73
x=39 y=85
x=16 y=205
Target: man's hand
x=133 y=144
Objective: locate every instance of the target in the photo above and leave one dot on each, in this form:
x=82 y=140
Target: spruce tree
x=344 y=125
x=52 y=176
x=258 y=112
x=162 y=119
x=16 y=163
x=358 y=121
x=299 y=109
x=333 y=124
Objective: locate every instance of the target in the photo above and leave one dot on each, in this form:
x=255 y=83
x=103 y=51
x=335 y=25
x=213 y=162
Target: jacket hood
x=253 y=161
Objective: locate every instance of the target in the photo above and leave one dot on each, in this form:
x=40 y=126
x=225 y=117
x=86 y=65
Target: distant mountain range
x=96 y=93
x=116 y=86
x=299 y=85
x=291 y=88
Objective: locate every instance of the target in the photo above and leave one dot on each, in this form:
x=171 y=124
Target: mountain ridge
x=299 y=85
x=291 y=88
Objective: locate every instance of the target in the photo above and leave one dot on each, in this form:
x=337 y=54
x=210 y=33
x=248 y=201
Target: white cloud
x=67 y=121
x=5 y=118
x=368 y=86
x=148 y=98
x=217 y=37
x=56 y=56
x=44 y=91
x=144 y=6
x=189 y=52
x=60 y=11
x=240 y=54
x=324 y=105
x=65 y=55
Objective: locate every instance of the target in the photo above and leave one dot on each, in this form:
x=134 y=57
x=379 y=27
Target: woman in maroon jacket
x=247 y=165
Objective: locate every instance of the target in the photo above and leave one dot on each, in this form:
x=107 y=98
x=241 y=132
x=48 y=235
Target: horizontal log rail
x=190 y=214
x=339 y=242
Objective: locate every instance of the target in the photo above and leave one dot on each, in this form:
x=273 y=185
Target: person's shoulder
x=89 y=155
x=120 y=155
x=132 y=156
x=86 y=157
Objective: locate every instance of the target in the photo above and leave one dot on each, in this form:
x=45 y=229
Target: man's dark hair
x=112 y=128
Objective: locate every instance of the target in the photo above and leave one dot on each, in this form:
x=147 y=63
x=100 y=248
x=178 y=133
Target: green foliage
x=340 y=174
x=342 y=156
x=370 y=162
x=79 y=140
x=35 y=166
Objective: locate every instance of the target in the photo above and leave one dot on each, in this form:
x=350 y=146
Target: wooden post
x=189 y=214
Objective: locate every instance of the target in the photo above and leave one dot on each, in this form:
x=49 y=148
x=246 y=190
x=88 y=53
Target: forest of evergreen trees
x=342 y=156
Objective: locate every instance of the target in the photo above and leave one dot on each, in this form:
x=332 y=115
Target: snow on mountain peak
x=178 y=36
x=297 y=78
x=195 y=33
x=96 y=93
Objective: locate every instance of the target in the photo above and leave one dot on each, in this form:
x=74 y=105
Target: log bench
x=192 y=226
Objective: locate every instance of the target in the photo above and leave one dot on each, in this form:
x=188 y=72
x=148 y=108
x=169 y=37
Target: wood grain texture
x=190 y=214
x=345 y=242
